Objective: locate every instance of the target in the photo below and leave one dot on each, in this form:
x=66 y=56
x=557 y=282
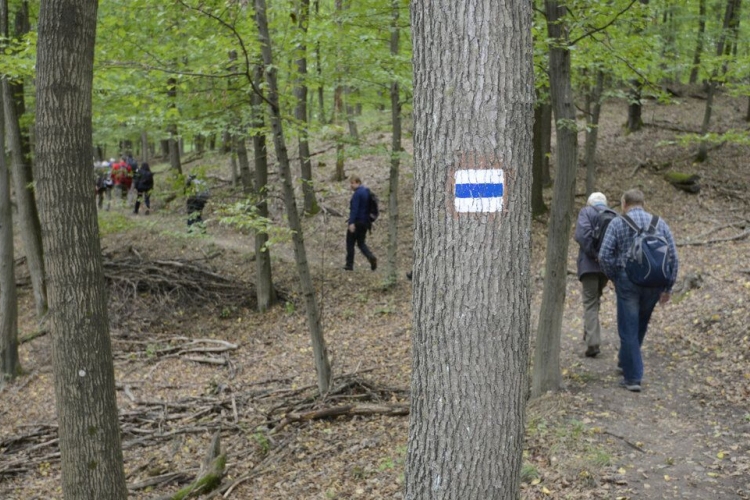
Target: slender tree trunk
x=144 y=147
x=546 y=374
x=699 y=42
x=635 y=122
x=173 y=147
x=338 y=99
x=546 y=142
x=537 y=195
x=233 y=165
x=21 y=168
x=393 y=177
x=264 y=281
x=9 y=364
x=471 y=276
x=350 y=112
x=246 y=176
x=300 y=111
x=729 y=14
x=592 y=131
x=320 y=352
x=91 y=457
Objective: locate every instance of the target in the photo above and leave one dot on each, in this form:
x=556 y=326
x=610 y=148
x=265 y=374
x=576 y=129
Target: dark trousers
x=358 y=236
x=195 y=206
x=146 y=195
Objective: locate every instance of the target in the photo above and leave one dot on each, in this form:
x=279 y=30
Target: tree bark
x=246 y=176
x=546 y=374
x=635 y=122
x=699 y=42
x=393 y=176
x=21 y=168
x=264 y=280
x=546 y=142
x=173 y=147
x=300 y=111
x=537 y=193
x=9 y=364
x=91 y=456
x=592 y=131
x=473 y=107
x=338 y=99
x=320 y=352
x=144 y=147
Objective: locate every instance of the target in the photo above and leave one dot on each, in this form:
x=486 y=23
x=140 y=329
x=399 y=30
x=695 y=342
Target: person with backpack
x=144 y=183
x=198 y=195
x=639 y=255
x=592 y=223
x=363 y=210
x=122 y=176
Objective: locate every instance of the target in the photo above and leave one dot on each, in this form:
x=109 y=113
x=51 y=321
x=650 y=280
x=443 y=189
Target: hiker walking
x=103 y=183
x=639 y=255
x=359 y=223
x=122 y=176
x=143 y=186
x=198 y=195
x=592 y=223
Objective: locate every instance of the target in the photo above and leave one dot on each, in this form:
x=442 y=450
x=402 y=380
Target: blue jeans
x=634 y=307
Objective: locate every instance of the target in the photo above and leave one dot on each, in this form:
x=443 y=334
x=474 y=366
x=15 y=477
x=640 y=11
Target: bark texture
x=473 y=108
x=700 y=36
x=393 y=176
x=91 y=456
x=537 y=193
x=593 y=111
x=264 y=280
x=8 y=301
x=546 y=374
x=320 y=351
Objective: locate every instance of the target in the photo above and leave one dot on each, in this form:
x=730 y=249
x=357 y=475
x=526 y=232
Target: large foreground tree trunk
x=91 y=456
x=473 y=104
x=546 y=375
x=393 y=176
x=320 y=352
x=9 y=365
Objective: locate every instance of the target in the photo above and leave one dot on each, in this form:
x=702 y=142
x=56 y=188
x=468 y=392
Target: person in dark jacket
x=144 y=185
x=593 y=280
x=358 y=224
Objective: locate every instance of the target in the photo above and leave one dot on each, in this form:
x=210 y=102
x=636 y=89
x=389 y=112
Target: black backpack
x=601 y=223
x=647 y=262
x=373 y=207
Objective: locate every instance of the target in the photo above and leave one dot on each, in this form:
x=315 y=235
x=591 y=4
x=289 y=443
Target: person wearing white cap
x=592 y=223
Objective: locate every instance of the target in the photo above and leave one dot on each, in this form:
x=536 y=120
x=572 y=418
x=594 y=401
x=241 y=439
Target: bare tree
x=546 y=375
x=320 y=352
x=393 y=177
x=473 y=108
x=9 y=365
x=91 y=456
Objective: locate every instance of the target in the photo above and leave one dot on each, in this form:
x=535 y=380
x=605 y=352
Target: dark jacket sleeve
x=358 y=205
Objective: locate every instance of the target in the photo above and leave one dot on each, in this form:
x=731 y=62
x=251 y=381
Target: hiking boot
x=347 y=268
x=631 y=386
x=592 y=351
x=373 y=263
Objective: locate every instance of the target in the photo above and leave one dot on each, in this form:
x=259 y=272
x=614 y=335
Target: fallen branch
x=390 y=410
x=159 y=480
x=740 y=236
x=33 y=335
x=632 y=445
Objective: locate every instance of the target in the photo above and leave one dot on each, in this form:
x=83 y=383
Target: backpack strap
x=652 y=225
x=630 y=222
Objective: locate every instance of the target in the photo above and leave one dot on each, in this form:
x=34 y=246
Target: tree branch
x=602 y=28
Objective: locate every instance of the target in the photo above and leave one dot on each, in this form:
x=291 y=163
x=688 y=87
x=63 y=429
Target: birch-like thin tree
x=546 y=375
x=473 y=108
x=90 y=452
x=320 y=351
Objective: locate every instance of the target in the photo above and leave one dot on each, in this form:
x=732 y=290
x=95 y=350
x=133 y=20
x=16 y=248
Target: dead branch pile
x=168 y=281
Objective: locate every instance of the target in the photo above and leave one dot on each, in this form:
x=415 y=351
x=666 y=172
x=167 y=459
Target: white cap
x=597 y=199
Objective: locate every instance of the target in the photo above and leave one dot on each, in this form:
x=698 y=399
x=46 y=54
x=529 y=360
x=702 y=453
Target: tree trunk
x=200 y=143
x=264 y=281
x=320 y=352
x=537 y=195
x=592 y=131
x=173 y=147
x=351 y=122
x=729 y=15
x=9 y=364
x=699 y=42
x=21 y=168
x=300 y=111
x=546 y=375
x=233 y=165
x=164 y=146
x=246 y=176
x=471 y=275
x=393 y=176
x=635 y=122
x=338 y=99
x=546 y=142
x=144 y=147
x=91 y=457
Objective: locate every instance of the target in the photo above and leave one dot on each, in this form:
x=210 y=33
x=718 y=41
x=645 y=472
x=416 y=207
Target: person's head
x=145 y=167
x=632 y=198
x=597 y=199
x=354 y=182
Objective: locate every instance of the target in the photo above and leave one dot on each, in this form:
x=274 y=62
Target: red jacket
x=122 y=174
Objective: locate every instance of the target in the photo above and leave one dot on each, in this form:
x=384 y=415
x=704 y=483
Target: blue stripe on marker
x=479 y=190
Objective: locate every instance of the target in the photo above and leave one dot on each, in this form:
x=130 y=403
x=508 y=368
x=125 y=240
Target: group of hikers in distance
x=125 y=178
x=636 y=251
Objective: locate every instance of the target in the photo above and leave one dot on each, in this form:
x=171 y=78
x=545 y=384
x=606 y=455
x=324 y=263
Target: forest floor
x=189 y=365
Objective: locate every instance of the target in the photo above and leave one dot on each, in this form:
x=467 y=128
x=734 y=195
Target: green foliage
x=244 y=215
x=112 y=222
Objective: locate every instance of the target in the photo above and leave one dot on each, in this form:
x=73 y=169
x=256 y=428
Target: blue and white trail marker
x=479 y=190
